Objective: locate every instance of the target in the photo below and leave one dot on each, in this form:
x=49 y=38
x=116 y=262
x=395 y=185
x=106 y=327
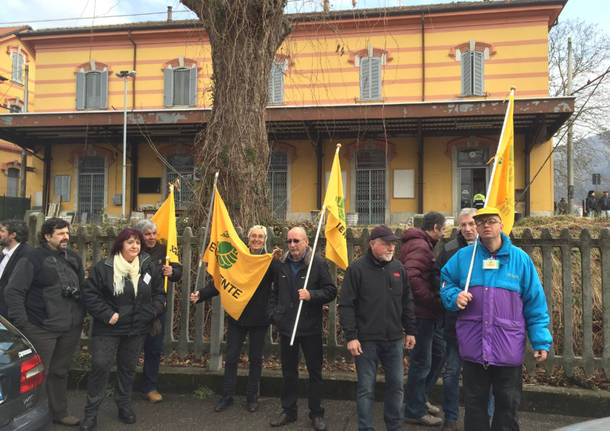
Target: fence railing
x=575 y=272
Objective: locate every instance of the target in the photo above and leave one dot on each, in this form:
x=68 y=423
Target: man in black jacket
x=43 y=299
x=13 y=238
x=378 y=320
x=453 y=362
x=288 y=290
x=153 y=345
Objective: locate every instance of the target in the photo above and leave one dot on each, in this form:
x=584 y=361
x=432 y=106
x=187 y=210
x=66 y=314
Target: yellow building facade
x=17 y=77
x=414 y=94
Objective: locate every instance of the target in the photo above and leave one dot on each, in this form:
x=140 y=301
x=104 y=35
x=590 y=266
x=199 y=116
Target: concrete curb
x=342 y=386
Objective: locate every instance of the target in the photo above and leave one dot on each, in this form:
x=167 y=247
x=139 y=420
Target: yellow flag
x=236 y=272
x=336 y=245
x=502 y=189
x=165 y=219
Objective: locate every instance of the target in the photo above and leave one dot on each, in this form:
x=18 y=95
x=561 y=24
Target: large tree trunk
x=244 y=36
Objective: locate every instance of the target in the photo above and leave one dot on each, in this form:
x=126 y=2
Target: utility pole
x=124 y=74
x=570 y=148
x=24 y=154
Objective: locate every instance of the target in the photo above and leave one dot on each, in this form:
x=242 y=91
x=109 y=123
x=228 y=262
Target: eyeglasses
x=290 y=241
x=489 y=221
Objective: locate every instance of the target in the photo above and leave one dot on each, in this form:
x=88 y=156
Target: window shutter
x=277 y=83
x=365 y=78
x=103 y=77
x=477 y=72
x=81 y=88
x=467 y=73
x=375 y=75
x=168 y=87
x=193 y=86
x=17 y=68
x=271 y=74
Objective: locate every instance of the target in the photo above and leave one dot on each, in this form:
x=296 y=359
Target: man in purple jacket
x=417 y=255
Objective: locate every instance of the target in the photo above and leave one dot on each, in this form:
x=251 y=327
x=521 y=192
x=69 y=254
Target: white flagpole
x=205 y=232
x=493 y=173
x=313 y=253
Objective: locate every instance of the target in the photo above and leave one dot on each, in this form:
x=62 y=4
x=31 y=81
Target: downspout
x=134 y=145
x=133 y=67
x=423 y=61
x=420 y=168
x=527 y=150
x=24 y=155
x=319 y=155
x=46 y=182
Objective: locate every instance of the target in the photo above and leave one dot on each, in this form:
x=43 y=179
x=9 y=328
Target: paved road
x=186 y=412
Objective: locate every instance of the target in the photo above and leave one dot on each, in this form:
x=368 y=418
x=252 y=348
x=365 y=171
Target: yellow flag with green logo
x=336 y=245
x=236 y=272
x=502 y=189
x=165 y=219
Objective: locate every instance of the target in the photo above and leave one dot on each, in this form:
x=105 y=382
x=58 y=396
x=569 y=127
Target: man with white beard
x=377 y=317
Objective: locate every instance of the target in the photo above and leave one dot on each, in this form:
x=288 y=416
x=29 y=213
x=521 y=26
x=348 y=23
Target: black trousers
x=311 y=345
x=506 y=382
x=105 y=351
x=236 y=335
x=56 y=350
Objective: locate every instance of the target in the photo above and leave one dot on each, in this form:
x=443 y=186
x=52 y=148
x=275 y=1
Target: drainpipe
x=133 y=67
x=24 y=155
x=420 y=168
x=319 y=155
x=46 y=184
x=423 y=61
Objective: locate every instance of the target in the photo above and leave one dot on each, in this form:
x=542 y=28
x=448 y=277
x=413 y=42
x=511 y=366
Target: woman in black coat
x=124 y=295
x=252 y=322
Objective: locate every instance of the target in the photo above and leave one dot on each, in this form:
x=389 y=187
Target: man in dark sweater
x=377 y=317
x=453 y=362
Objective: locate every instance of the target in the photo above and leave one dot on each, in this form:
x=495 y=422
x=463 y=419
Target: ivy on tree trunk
x=244 y=37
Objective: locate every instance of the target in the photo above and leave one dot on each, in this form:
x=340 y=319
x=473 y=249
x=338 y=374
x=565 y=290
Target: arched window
x=277 y=178
x=184 y=168
x=180 y=83
x=91 y=181
x=12 y=182
x=370 y=186
x=92 y=86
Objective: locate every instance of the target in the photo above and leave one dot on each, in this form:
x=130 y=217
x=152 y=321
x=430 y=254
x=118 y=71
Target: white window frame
x=276 y=83
x=17 y=62
x=169 y=84
x=83 y=102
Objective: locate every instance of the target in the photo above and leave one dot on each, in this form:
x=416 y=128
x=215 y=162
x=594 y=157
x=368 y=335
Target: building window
x=14 y=109
x=472 y=174
x=12 y=182
x=184 y=169
x=91 y=182
x=61 y=187
x=17 y=69
x=277 y=178
x=92 y=89
x=370 y=78
x=370 y=186
x=276 y=83
x=180 y=86
x=472 y=73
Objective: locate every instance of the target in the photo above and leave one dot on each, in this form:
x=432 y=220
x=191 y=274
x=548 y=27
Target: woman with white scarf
x=123 y=294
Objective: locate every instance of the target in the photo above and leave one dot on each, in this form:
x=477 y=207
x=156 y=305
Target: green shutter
x=168 y=87
x=193 y=86
x=477 y=73
x=467 y=73
x=365 y=79
x=103 y=90
x=375 y=75
x=81 y=88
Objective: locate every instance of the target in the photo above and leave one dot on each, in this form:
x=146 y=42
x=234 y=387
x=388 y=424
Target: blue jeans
x=153 y=346
x=424 y=366
x=390 y=354
x=451 y=382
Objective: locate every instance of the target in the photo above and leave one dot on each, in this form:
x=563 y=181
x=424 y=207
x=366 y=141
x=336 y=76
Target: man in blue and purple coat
x=504 y=301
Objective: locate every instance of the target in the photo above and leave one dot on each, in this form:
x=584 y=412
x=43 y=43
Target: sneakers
x=153 y=396
x=427 y=420
x=432 y=409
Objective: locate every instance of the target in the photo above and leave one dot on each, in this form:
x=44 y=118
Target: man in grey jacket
x=43 y=299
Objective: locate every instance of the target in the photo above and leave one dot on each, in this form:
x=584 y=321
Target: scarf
x=122 y=269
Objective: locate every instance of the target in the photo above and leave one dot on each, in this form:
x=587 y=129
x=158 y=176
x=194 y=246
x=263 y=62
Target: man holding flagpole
x=171 y=270
x=288 y=290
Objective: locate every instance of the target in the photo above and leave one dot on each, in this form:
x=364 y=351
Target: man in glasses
x=504 y=300
x=377 y=317
x=288 y=289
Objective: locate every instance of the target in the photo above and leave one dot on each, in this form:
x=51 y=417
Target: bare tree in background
x=591 y=59
x=244 y=37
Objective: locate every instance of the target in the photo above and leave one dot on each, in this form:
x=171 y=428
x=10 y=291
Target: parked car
x=21 y=377
x=602 y=424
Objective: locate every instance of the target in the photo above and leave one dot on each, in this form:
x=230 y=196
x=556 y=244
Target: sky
x=41 y=14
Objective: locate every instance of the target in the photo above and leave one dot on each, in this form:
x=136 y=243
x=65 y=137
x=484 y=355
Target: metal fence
x=575 y=272
x=13 y=208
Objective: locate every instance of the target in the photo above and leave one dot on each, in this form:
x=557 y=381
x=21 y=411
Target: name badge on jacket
x=491 y=264
x=147 y=278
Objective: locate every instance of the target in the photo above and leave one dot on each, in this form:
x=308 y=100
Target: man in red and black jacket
x=417 y=255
